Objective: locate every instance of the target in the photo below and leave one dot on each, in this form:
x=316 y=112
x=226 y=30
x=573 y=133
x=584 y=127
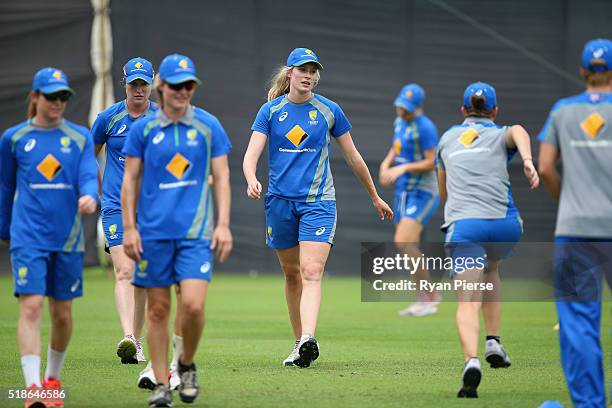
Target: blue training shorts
x=289 y=222
x=488 y=239
x=417 y=204
x=113 y=227
x=55 y=274
x=166 y=262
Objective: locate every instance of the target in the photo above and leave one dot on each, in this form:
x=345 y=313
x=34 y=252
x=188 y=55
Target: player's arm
x=8 y=175
x=130 y=188
x=518 y=138
x=442 y=185
x=88 y=179
x=384 y=168
x=249 y=164
x=360 y=169
x=222 y=241
x=547 y=165
x=421 y=166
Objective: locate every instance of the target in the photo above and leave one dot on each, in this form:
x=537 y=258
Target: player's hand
x=254 y=189
x=383 y=209
x=132 y=244
x=531 y=173
x=87 y=204
x=384 y=178
x=222 y=242
x=393 y=174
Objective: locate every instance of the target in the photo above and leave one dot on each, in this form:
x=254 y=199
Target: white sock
x=55 y=362
x=177 y=348
x=30 y=365
x=305 y=336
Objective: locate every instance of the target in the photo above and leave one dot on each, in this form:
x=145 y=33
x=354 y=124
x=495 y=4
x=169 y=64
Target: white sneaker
x=140 y=352
x=495 y=355
x=422 y=307
x=146 y=379
x=288 y=362
x=308 y=351
x=470 y=379
x=174 y=380
x=126 y=350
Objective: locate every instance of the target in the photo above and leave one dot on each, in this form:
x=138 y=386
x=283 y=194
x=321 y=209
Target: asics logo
x=159 y=137
x=121 y=129
x=411 y=210
x=30 y=145
x=74 y=287
x=283 y=116
x=205 y=267
x=320 y=231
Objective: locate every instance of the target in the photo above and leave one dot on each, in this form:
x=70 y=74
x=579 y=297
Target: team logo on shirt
x=297 y=135
x=65 y=142
x=192 y=134
x=22 y=272
x=178 y=166
x=112 y=229
x=49 y=167
x=283 y=116
x=122 y=128
x=397 y=147
x=313 y=116
x=593 y=124
x=468 y=137
x=29 y=145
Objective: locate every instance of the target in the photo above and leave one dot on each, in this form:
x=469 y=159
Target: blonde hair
x=279 y=84
x=593 y=78
x=156 y=85
x=31 y=106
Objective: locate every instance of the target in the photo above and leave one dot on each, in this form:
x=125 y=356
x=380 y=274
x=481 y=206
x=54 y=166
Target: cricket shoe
x=126 y=350
x=470 y=379
x=495 y=355
x=308 y=351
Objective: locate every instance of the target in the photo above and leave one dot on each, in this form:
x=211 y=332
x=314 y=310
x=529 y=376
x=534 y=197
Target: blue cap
x=177 y=68
x=410 y=97
x=551 y=404
x=301 y=56
x=597 y=55
x=50 y=80
x=138 y=68
x=480 y=89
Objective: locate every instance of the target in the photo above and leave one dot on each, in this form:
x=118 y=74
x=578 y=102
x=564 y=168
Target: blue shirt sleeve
x=262 y=122
x=341 y=122
x=221 y=144
x=548 y=134
x=135 y=142
x=88 y=170
x=98 y=130
x=8 y=174
x=439 y=163
x=429 y=135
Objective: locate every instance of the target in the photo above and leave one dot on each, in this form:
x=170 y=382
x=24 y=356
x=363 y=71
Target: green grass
x=370 y=357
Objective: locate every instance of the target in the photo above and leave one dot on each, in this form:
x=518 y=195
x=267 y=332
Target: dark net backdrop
x=529 y=50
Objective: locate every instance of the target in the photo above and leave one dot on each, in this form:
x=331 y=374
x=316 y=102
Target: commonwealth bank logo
x=297 y=135
x=593 y=124
x=468 y=137
x=49 y=167
x=178 y=166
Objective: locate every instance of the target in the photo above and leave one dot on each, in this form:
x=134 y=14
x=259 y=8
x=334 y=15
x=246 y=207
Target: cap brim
x=306 y=61
x=409 y=106
x=49 y=89
x=177 y=79
x=134 y=77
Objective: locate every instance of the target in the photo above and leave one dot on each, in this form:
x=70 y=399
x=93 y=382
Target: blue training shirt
x=175 y=199
x=410 y=141
x=112 y=127
x=43 y=172
x=299 y=138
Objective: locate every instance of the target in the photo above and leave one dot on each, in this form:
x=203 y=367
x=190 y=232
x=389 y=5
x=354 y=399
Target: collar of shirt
x=475 y=120
x=166 y=121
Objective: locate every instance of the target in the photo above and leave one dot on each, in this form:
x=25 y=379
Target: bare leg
x=290 y=264
x=124 y=291
x=28 y=326
x=158 y=312
x=468 y=314
x=491 y=305
x=193 y=298
x=313 y=256
x=61 y=323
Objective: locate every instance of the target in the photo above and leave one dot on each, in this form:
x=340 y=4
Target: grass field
x=370 y=357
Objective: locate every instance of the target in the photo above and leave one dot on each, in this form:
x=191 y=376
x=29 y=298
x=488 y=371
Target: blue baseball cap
x=597 y=55
x=301 y=56
x=480 y=89
x=410 y=97
x=138 y=68
x=177 y=68
x=50 y=80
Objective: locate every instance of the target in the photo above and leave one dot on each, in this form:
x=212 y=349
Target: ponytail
x=31 y=106
x=160 y=95
x=477 y=107
x=279 y=84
